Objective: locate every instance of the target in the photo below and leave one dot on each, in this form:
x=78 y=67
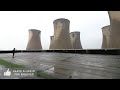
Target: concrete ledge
x=80 y=51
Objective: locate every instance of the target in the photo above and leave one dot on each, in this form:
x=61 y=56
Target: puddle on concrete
x=50 y=71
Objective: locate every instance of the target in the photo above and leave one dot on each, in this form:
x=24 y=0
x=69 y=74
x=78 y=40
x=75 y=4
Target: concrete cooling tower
x=61 y=34
x=106 y=36
x=75 y=40
x=34 y=42
x=51 y=42
x=114 y=29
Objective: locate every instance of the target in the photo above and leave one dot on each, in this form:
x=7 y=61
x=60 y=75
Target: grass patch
x=9 y=64
x=41 y=74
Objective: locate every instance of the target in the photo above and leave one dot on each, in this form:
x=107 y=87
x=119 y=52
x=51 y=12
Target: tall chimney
x=75 y=40
x=114 y=29
x=61 y=34
x=106 y=36
x=51 y=42
x=34 y=42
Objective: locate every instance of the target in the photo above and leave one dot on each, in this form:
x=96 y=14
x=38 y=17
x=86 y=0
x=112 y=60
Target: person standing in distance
x=13 y=52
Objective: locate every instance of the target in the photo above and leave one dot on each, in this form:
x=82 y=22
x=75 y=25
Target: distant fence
x=79 y=51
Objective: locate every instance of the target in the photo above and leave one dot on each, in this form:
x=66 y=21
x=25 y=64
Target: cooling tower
x=61 y=34
x=51 y=42
x=114 y=29
x=34 y=42
x=75 y=40
x=106 y=36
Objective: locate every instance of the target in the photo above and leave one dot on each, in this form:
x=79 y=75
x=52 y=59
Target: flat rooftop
x=64 y=65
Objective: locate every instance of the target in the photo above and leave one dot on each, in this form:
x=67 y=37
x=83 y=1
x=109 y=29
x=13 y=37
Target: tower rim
x=61 y=19
x=34 y=30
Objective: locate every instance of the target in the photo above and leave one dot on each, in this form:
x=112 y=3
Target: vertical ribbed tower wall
x=114 y=29
x=34 y=42
x=75 y=40
x=106 y=37
x=51 y=42
x=61 y=34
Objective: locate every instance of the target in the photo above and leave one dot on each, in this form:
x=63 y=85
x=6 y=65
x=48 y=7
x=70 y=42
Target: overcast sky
x=14 y=26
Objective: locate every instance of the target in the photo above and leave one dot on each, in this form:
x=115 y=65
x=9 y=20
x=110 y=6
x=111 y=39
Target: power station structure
x=61 y=34
x=75 y=40
x=34 y=42
x=114 y=29
x=51 y=42
x=106 y=37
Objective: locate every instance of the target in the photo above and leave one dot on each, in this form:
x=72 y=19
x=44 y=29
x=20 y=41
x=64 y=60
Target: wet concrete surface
x=70 y=66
